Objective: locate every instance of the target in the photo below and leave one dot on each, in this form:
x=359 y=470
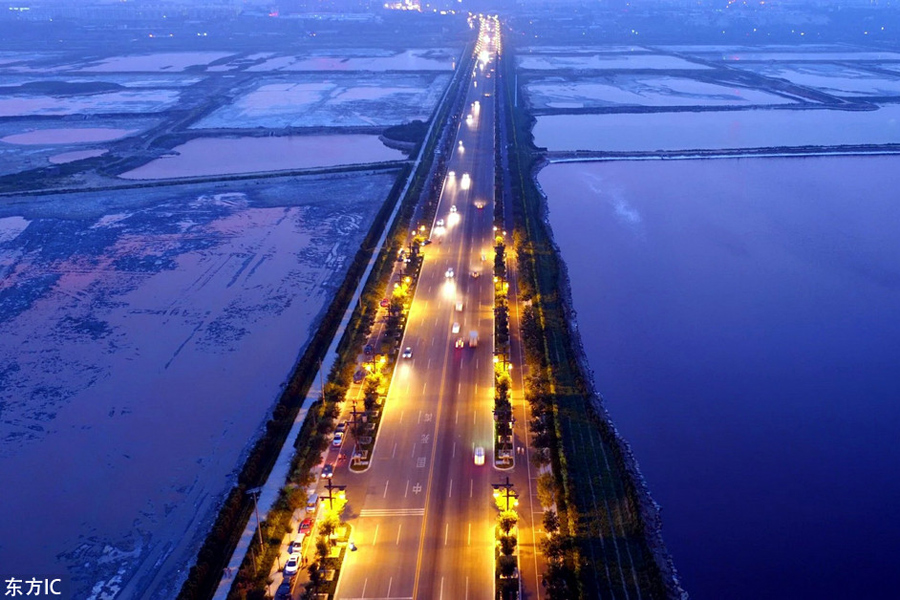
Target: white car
x=479 y=455
x=449 y=273
x=292 y=566
x=439 y=223
x=465 y=181
x=338 y=439
x=459 y=306
x=453 y=209
x=451 y=175
x=455 y=328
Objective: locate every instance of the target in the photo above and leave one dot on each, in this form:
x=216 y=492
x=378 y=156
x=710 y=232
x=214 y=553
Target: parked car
x=296 y=543
x=284 y=591
x=292 y=565
x=306 y=526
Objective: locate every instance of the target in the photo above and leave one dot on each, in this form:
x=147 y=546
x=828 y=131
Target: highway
x=423 y=512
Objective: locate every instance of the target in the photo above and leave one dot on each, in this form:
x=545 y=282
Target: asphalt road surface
x=423 y=512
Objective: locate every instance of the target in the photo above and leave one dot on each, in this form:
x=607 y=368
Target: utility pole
x=330 y=486
x=507 y=489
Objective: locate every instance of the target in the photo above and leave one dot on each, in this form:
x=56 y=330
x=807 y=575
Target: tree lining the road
x=606 y=540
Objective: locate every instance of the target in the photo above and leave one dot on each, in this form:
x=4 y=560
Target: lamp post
x=507 y=489
x=254 y=493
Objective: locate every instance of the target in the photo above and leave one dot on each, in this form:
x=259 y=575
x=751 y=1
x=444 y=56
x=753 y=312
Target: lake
x=741 y=318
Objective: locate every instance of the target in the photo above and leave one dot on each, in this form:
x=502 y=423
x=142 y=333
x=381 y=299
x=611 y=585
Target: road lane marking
x=423 y=386
x=394 y=451
x=457 y=416
x=419 y=420
x=459 y=388
x=471 y=485
x=474 y=415
x=399 y=529
x=442 y=589
x=401 y=417
x=413 y=455
x=375 y=537
x=469 y=543
x=365 y=583
x=453 y=454
x=384 y=495
x=429 y=364
x=390 y=583
x=391 y=512
x=406 y=493
x=446 y=534
x=476 y=389
x=450 y=491
x=467 y=588
x=476 y=363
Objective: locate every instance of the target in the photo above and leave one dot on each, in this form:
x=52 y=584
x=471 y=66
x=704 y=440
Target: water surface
x=741 y=317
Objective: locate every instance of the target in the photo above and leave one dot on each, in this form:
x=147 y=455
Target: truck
x=473 y=339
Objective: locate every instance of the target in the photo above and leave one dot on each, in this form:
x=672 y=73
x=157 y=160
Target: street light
x=507 y=489
x=254 y=493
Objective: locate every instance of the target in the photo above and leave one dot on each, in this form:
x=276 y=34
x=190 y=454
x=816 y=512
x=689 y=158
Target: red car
x=306 y=526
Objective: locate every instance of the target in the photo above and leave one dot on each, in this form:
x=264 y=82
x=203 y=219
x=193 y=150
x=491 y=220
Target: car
x=384 y=303
x=328 y=470
x=338 y=439
x=449 y=273
x=453 y=209
x=461 y=147
x=407 y=352
x=479 y=455
x=292 y=565
x=465 y=182
x=342 y=426
x=455 y=328
x=368 y=349
x=459 y=306
x=479 y=204
x=475 y=274
x=359 y=376
x=439 y=223
x=305 y=526
x=459 y=343
x=284 y=591
x=451 y=175
x=296 y=543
